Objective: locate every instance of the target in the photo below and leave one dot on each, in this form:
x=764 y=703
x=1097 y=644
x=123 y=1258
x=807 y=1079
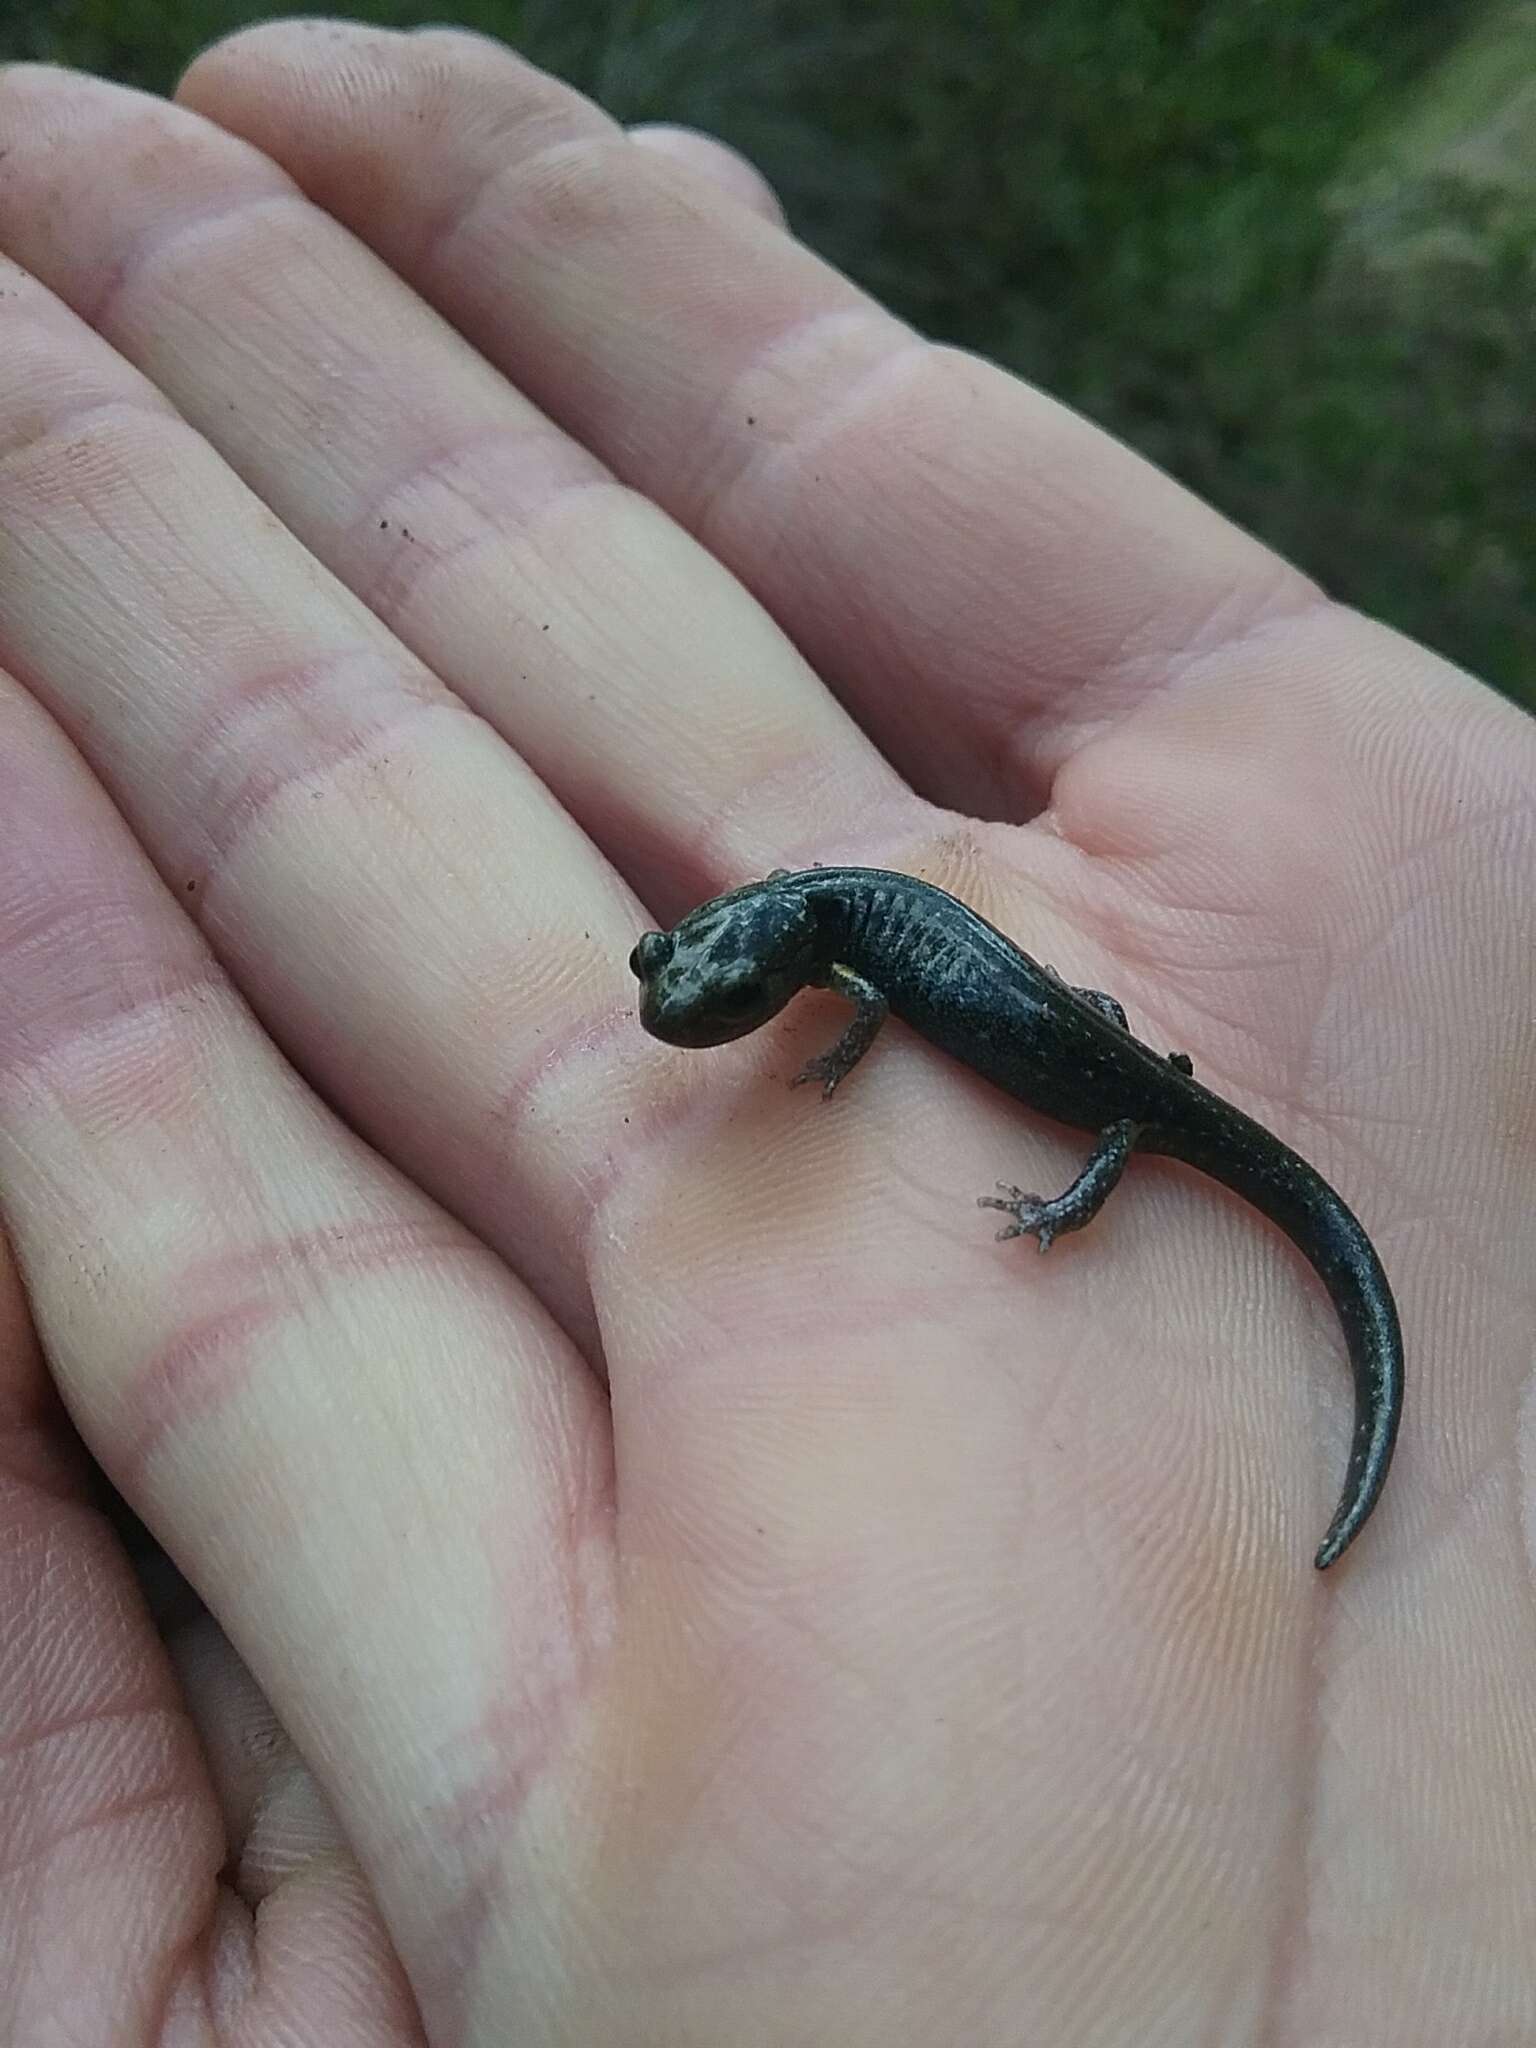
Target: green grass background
x=1285 y=247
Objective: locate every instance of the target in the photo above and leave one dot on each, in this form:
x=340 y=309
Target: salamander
x=893 y=945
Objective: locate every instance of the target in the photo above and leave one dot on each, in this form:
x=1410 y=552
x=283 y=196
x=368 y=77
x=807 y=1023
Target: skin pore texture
x=653 y=1572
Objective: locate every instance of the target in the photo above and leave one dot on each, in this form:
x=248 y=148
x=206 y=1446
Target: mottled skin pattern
x=892 y=944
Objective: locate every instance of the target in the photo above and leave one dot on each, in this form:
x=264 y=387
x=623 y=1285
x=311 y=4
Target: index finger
x=983 y=574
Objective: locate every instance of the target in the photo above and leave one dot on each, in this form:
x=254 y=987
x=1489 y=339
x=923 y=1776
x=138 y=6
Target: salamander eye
x=650 y=956
x=740 y=997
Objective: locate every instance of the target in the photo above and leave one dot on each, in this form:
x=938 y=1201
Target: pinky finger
x=111 y=1840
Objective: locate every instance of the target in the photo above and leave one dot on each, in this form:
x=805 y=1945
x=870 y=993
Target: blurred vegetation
x=1284 y=249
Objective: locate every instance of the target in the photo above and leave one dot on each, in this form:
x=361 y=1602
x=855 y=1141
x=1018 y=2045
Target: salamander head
x=726 y=967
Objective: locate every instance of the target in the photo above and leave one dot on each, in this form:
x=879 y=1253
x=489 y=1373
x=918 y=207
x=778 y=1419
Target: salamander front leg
x=870 y=1011
x=1045 y=1220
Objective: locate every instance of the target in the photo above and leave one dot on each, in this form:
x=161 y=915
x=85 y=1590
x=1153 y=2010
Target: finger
x=104 y=1802
x=376 y=869
x=632 y=673
x=986 y=577
x=710 y=158
x=374 y=1456
x=277 y=1820
x=990 y=521
x=111 y=1841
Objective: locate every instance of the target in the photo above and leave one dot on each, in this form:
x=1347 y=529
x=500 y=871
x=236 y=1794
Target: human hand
x=401 y=566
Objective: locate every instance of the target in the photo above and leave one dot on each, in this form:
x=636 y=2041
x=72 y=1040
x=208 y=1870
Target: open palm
x=671 y=1577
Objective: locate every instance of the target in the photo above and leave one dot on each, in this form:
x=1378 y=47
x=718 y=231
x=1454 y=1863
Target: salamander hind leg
x=1105 y=1005
x=1046 y=1219
x=1108 y=1007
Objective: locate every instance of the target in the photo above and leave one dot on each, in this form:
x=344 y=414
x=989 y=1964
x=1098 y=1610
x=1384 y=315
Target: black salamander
x=893 y=945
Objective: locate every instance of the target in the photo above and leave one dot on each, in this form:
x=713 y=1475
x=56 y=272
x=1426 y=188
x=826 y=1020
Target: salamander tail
x=1292 y=1194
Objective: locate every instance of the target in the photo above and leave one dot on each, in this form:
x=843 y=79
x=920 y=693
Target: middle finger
x=412 y=915
x=614 y=651
x=303 y=780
